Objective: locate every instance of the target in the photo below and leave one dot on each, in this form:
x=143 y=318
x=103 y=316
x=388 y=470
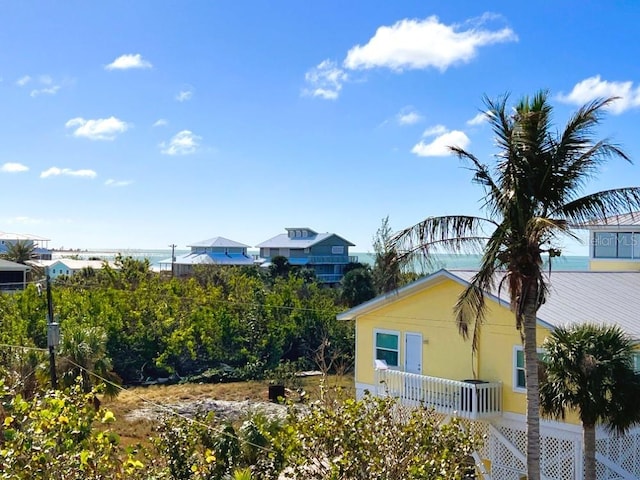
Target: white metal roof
x=218 y=242
x=631 y=219
x=611 y=298
x=21 y=236
x=72 y=263
x=210 y=259
x=284 y=241
x=6 y=265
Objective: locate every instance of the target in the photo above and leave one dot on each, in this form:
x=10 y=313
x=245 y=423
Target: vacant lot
x=138 y=410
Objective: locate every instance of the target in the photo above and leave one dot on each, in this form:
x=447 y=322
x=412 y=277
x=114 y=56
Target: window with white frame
x=636 y=362
x=337 y=250
x=387 y=346
x=616 y=245
x=519 y=377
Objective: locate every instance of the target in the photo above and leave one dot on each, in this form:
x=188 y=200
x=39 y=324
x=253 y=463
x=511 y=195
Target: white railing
x=466 y=399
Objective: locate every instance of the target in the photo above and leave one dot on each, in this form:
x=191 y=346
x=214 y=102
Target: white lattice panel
x=558 y=457
x=621 y=450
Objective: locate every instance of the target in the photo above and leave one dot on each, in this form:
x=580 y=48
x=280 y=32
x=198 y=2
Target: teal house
x=324 y=253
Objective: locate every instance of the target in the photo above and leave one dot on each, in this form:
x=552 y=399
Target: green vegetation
x=532 y=198
x=62 y=435
x=224 y=323
x=589 y=369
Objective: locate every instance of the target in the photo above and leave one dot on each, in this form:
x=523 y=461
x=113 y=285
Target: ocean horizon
x=440 y=260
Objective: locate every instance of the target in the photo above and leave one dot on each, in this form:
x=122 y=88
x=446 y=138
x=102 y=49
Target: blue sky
x=142 y=124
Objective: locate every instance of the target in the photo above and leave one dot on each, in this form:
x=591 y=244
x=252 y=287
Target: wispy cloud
x=128 y=61
x=161 y=122
x=325 y=80
x=22 y=81
x=479 y=119
x=56 y=172
x=408 y=116
x=42 y=85
x=439 y=146
x=98 y=129
x=24 y=220
x=52 y=90
x=13 y=167
x=182 y=143
x=594 y=88
x=421 y=44
x=117 y=183
x=184 y=95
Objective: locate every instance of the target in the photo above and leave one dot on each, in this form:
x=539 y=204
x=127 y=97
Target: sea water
x=439 y=261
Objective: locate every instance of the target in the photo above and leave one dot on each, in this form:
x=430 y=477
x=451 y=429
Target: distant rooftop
x=218 y=242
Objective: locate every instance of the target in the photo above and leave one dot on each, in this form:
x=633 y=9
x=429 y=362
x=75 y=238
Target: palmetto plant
x=83 y=356
x=589 y=369
x=532 y=197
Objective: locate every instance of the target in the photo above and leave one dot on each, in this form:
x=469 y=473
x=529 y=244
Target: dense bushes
x=243 y=318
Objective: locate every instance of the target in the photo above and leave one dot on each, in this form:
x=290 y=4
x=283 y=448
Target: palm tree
x=20 y=252
x=83 y=356
x=589 y=368
x=531 y=200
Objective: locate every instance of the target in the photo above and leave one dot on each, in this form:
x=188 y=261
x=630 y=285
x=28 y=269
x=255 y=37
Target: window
x=304 y=233
x=387 y=345
x=265 y=252
x=519 y=382
x=337 y=250
x=636 y=362
x=616 y=245
x=284 y=252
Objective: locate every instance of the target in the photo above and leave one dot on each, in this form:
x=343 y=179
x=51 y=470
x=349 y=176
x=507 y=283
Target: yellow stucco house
x=408 y=346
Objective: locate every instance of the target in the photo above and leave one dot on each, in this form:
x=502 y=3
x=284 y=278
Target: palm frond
x=457 y=233
x=600 y=205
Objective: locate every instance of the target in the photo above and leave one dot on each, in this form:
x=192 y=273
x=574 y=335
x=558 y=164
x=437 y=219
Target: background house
x=40 y=244
x=325 y=253
x=13 y=276
x=214 y=251
x=69 y=266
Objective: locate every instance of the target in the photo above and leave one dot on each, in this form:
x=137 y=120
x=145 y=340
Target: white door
x=413 y=353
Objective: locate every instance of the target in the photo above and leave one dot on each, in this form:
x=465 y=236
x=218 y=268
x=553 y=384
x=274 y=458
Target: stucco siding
x=607 y=265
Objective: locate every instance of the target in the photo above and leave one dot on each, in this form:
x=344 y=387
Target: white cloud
x=24 y=220
x=420 y=44
x=12 y=167
x=22 y=81
x=55 y=172
x=434 y=131
x=184 y=95
x=128 y=61
x=98 y=129
x=325 y=80
x=479 y=119
x=45 y=91
x=182 y=143
x=161 y=122
x=593 y=88
x=439 y=147
x=117 y=183
x=408 y=116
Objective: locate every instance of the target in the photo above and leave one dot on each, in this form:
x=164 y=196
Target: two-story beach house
x=41 y=250
x=325 y=253
x=408 y=346
x=214 y=251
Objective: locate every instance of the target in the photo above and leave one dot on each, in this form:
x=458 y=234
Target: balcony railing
x=465 y=399
x=328 y=277
x=332 y=259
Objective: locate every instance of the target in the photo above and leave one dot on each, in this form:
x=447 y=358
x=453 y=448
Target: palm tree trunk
x=589 y=440
x=533 y=395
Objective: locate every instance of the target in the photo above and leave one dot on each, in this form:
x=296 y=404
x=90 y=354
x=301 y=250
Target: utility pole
x=173 y=257
x=53 y=336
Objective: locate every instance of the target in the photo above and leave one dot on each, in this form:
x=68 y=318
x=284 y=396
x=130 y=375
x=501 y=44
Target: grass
x=139 y=430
